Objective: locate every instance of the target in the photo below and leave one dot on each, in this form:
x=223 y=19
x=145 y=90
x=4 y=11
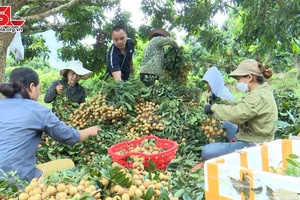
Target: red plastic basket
x=161 y=159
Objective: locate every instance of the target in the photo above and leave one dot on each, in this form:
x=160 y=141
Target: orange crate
x=161 y=159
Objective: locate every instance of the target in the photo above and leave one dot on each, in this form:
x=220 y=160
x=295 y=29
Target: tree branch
x=43 y=28
x=269 y=58
x=53 y=11
x=15 y=5
x=63 y=6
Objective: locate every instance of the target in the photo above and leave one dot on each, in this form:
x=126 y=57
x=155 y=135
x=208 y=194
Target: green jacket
x=255 y=115
x=153 y=57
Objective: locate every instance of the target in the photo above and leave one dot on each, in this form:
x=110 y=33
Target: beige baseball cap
x=248 y=66
x=77 y=67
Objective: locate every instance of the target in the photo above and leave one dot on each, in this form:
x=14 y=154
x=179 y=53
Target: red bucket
x=121 y=151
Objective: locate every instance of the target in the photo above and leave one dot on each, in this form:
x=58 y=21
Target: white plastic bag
x=16 y=46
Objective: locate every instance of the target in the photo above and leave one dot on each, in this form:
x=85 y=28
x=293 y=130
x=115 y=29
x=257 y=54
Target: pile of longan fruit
x=145 y=148
x=145 y=121
x=140 y=184
x=212 y=129
x=37 y=190
x=193 y=103
x=96 y=111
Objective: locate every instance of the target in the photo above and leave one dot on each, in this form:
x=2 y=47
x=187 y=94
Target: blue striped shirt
x=22 y=122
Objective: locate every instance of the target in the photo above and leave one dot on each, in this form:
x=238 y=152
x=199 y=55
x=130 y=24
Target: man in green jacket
x=255 y=115
x=153 y=57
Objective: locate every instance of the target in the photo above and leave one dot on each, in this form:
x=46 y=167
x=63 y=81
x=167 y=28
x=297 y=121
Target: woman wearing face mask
x=69 y=83
x=255 y=115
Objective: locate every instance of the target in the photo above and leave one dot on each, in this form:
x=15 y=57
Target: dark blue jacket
x=117 y=61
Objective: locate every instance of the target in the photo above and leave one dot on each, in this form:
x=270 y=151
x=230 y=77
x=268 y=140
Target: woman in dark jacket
x=69 y=83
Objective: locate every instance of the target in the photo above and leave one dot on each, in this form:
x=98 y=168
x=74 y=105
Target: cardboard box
x=246 y=175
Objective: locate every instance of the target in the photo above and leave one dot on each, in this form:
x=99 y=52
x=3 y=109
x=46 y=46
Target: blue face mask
x=242 y=86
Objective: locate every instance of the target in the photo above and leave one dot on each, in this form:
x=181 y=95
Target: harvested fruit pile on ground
x=38 y=190
x=112 y=183
x=146 y=120
x=140 y=184
x=212 y=129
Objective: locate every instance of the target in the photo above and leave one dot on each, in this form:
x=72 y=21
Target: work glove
x=213 y=98
x=207 y=109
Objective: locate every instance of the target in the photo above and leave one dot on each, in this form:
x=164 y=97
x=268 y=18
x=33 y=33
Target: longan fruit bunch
x=81 y=117
x=95 y=111
x=37 y=190
x=145 y=148
x=140 y=184
x=145 y=121
x=212 y=129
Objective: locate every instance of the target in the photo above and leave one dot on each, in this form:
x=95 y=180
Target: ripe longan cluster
x=145 y=121
x=193 y=103
x=140 y=185
x=109 y=114
x=95 y=111
x=37 y=190
x=139 y=179
x=212 y=129
x=146 y=147
x=81 y=116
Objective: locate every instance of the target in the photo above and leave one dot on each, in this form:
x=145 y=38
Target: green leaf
x=129 y=96
x=179 y=193
x=164 y=195
x=293 y=156
x=273 y=169
x=186 y=196
x=282 y=124
x=149 y=193
x=128 y=106
x=292 y=162
x=51 y=157
x=152 y=165
x=86 y=196
x=105 y=173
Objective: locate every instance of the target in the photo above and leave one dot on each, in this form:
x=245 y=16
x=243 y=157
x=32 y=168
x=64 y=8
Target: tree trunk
x=297 y=63
x=5 y=39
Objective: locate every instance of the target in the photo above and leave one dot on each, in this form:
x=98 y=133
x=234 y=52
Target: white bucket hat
x=77 y=67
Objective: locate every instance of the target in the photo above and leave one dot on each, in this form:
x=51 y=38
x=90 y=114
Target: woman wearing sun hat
x=255 y=115
x=71 y=74
x=153 y=58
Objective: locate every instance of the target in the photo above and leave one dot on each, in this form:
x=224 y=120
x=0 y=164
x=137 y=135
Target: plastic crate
x=246 y=174
x=161 y=159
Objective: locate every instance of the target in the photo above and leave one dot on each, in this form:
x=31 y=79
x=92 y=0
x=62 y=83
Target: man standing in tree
x=119 y=56
x=153 y=58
